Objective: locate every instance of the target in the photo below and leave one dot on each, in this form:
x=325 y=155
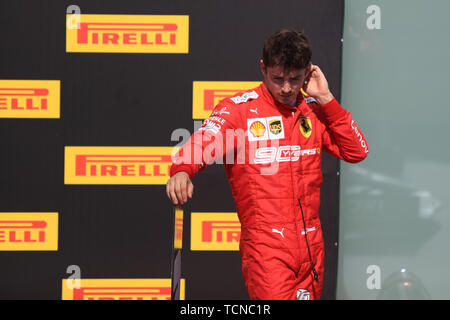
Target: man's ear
x=308 y=71
x=263 y=67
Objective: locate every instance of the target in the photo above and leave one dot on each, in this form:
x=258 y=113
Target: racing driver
x=273 y=163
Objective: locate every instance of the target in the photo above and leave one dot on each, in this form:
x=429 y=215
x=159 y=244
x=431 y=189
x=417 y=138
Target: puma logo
x=254 y=110
x=278 y=231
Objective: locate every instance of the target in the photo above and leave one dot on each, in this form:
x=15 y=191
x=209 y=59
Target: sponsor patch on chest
x=269 y=128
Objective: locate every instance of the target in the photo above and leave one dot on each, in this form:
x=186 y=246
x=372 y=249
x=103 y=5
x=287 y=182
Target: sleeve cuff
x=182 y=167
x=333 y=110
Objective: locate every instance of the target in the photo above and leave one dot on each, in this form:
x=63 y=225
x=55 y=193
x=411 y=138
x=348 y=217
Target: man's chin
x=285 y=100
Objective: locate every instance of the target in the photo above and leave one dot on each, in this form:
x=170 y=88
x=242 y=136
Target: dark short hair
x=288 y=48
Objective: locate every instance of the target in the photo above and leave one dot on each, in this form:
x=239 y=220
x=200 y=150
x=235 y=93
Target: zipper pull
x=316 y=276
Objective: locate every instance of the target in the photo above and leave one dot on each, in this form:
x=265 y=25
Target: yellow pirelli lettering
x=219 y=231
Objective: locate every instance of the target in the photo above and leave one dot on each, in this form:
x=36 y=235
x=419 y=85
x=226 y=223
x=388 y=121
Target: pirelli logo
x=207 y=94
x=28 y=231
x=219 y=231
x=117 y=165
x=120 y=289
x=129 y=34
x=29 y=99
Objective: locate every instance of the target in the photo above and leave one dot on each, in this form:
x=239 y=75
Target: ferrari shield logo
x=305 y=126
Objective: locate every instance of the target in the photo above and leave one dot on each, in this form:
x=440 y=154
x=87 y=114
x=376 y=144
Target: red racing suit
x=272 y=157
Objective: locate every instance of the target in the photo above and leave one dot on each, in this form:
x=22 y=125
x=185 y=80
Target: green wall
x=394 y=206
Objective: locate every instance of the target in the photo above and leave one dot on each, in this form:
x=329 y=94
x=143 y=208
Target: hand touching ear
x=316 y=85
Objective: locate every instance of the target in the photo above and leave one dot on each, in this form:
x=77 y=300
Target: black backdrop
x=116 y=99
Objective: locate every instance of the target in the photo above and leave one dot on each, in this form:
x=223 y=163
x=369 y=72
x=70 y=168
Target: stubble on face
x=284 y=85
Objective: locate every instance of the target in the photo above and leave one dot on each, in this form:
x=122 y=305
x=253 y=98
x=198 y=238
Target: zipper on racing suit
x=316 y=276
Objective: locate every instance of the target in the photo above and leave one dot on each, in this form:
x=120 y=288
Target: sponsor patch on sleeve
x=245 y=97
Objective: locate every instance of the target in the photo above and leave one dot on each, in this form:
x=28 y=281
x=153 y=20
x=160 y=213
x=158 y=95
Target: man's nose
x=286 y=88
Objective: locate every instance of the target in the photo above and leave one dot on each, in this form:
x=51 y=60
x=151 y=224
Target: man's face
x=284 y=85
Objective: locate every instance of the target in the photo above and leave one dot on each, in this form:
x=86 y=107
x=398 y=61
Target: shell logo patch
x=257 y=129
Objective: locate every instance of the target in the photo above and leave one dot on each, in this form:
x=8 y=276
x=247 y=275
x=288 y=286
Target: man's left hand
x=316 y=86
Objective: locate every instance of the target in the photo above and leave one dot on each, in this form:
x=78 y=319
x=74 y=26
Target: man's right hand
x=179 y=188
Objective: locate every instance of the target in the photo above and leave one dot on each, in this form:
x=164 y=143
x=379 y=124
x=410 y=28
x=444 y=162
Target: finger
x=318 y=71
x=183 y=184
x=178 y=191
x=173 y=197
x=168 y=189
x=171 y=191
x=190 y=189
